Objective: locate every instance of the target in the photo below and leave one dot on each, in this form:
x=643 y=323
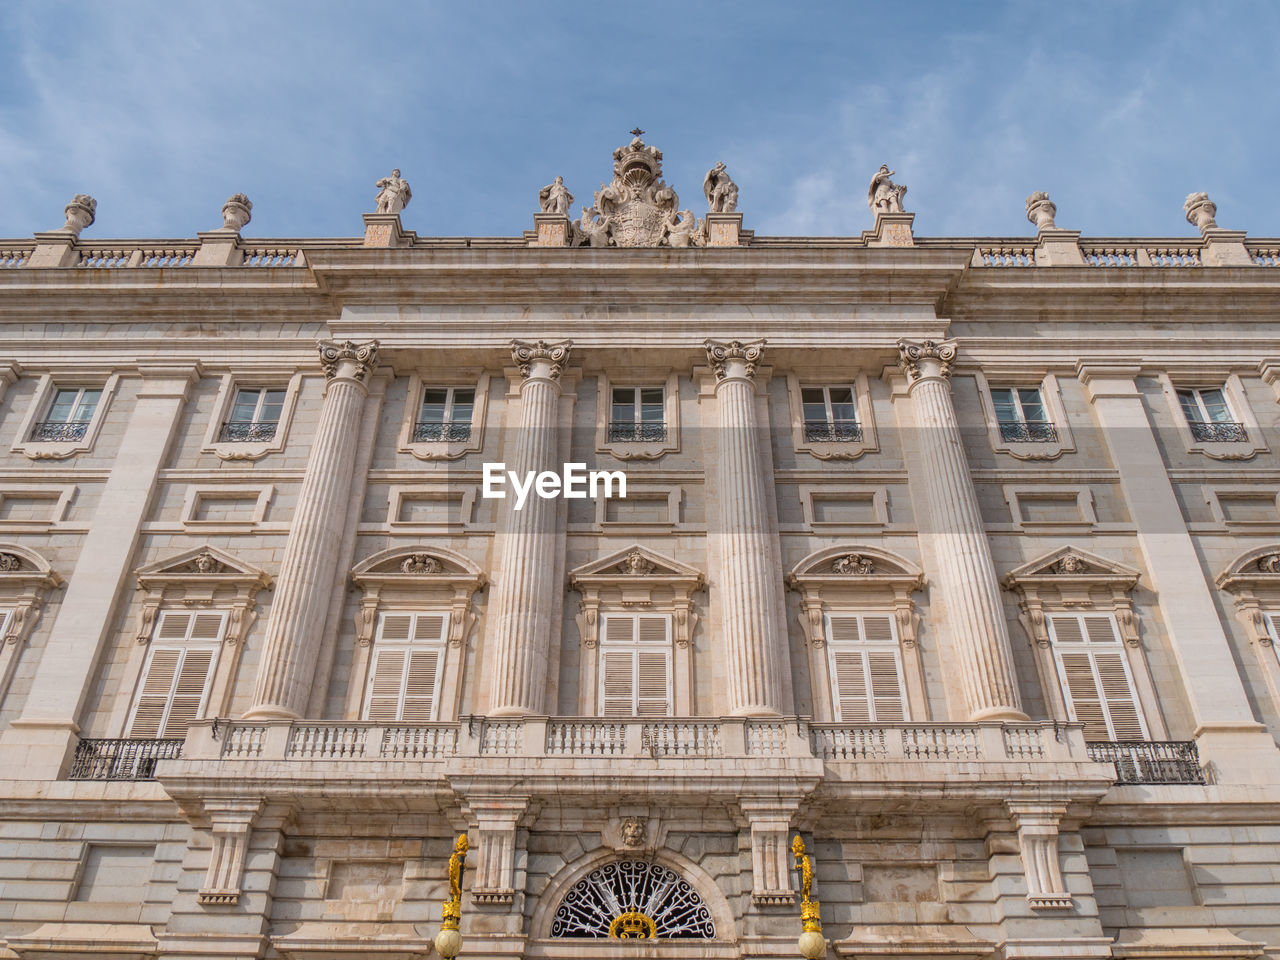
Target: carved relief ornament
x=362 y=355
x=720 y=353
x=555 y=355
x=918 y=358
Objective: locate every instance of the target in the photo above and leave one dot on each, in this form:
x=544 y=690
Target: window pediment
x=636 y=577
x=25 y=580
x=855 y=576
x=201 y=577
x=405 y=577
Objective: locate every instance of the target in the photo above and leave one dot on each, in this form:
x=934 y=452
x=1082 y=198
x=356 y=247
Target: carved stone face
x=634 y=831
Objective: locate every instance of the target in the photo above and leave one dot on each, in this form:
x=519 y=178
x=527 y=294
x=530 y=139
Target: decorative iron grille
x=832 y=431
x=243 y=431
x=59 y=430
x=1150 y=761
x=633 y=898
x=1225 y=431
x=623 y=431
x=1028 y=431
x=129 y=759
x=451 y=432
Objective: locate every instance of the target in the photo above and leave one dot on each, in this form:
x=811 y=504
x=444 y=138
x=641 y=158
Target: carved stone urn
x=236 y=212
x=1200 y=211
x=1041 y=211
x=79 y=213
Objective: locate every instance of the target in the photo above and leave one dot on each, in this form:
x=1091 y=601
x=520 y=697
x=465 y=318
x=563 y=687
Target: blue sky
x=160 y=111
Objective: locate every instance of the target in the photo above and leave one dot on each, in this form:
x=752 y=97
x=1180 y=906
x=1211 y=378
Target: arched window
x=633 y=899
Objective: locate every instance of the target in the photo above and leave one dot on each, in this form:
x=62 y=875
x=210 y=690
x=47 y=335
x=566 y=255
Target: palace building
x=957 y=558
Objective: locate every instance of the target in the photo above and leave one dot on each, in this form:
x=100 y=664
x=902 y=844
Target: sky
x=162 y=110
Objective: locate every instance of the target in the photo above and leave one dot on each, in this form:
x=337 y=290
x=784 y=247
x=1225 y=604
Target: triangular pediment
x=634 y=561
x=1070 y=561
x=416 y=561
x=205 y=561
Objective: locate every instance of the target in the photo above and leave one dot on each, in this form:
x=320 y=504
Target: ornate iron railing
x=1028 y=431
x=832 y=431
x=1225 y=431
x=124 y=759
x=1150 y=761
x=449 y=432
x=244 y=431
x=623 y=431
x=59 y=430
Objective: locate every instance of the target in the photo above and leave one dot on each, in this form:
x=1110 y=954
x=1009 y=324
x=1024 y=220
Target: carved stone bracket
x=1037 y=825
x=734 y=358
x=926 y=358
x=231 y=822
x=498 y=822
x=770 y=822
x=350 y=359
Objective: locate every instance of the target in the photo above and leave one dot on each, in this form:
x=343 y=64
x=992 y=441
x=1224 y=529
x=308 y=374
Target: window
x=866 y=668
x=445 y=414
x=408 y=656
x=177 y=674
x=635 y=673
x=1209 y=416
x=637 y=414
x=255 y=415
x=830 y=415
x=1094 y=672
x=69 y=414
x=1021 y=415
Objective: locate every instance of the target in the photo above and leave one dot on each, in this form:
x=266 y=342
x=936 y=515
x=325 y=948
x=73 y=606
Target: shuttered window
x=866 y=668
x=1095 y=676
x=635 y=666
x=404 y=679
x=177 y=674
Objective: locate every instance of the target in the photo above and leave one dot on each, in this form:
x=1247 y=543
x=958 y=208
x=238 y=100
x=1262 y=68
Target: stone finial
x=883 y=195
x=393 y=193
x=236 y=212
x=1041 y=211
x=720 y=190
x=1200 y=211
x=79 y=213
x=555 y=197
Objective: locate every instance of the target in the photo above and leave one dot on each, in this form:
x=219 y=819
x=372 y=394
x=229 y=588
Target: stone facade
x=957 y=558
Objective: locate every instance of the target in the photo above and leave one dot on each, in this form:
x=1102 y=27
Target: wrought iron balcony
x=245 y=431
x=126 y=759
x=1225 y=431
x=832 y=431
x=1028 y=431
x=625 y=431
x=449 y=432
x=59 y=430
x=1150 y=761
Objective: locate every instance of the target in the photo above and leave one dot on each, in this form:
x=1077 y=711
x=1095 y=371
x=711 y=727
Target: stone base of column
x=553 y=229
x=1238 y=753
x=37 y=750
x=1003 y=714
x=724 y=229
x=384 y=230
x=267 y=712
x=891 y=230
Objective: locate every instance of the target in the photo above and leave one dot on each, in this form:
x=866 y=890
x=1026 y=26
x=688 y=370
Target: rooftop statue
x=555 y=198
x=885 y=196
x=393 y=193
x=688 y=231
x=592 y=230
x=720 y=190
x=636 y=207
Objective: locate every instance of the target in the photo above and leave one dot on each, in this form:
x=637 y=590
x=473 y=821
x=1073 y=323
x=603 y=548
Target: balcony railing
x=246 y=431
x=55 y=430
x=129 y=759
x=624 y=431
x=1150 y=761
x=1028 y=431
x=448 y=432
x=1225 y=431
x=832 y=431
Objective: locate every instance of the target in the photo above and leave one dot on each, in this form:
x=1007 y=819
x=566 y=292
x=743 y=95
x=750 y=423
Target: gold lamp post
x=449 y=939
x=813 y=945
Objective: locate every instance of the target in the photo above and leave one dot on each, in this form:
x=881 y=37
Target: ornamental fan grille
x=627 y=888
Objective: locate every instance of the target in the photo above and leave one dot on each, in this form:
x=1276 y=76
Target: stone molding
x=769 y=819
x=500 y=823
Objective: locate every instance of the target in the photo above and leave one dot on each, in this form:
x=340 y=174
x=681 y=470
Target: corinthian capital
x=926 y=358
x=554 y=354
x=720 y=353
x=362 y=355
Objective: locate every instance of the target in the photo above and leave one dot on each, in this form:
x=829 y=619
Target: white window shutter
x=396 y=627
x=850 y=676
x=153 y=694
x=866 y=669
x=173 y=626
x=189 y=691
x=1119 y=696
x=173 y=690
x=617 y=687
x=382 y=705
x=1082 y=691
x=653 y=629
x=886 y=685
x=843 y=630
x=422 y=675
x=619 y=629
x=1095 y=675
x=207 y=626
x=429 y=627
x=653 y=683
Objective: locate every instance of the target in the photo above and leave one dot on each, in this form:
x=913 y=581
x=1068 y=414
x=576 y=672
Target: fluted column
x=524 y=592
x=975 y=615
x=295 y=630
x=749 y=574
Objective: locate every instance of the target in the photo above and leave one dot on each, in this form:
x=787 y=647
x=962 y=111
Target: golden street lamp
x=449 y=939
x=813 y=945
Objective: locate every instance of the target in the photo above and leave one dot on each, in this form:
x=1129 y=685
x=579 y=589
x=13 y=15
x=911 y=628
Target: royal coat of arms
x=637 y=209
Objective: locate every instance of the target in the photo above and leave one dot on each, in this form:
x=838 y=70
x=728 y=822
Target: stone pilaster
x=526 y=588
x=754 y=642
x=975 y=621
x=296 y=628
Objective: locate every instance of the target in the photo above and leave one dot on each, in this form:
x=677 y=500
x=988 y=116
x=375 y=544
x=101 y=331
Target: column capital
x=360 y=356
x=925 y=359
x=734 y=358
x=539 y=359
